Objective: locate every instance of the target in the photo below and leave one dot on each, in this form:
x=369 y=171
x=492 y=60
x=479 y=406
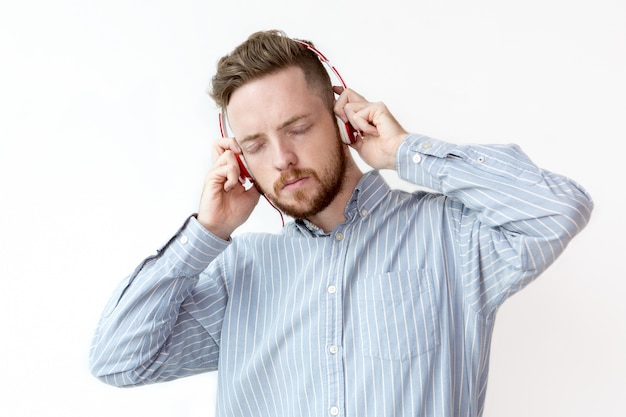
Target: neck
x=334 y=214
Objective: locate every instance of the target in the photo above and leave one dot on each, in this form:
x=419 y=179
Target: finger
x=222 y=145
x=359 y=115
x=365 y=121
x=340 y=104
x=347 y=96
x=222 y=178
x=338 y=89
x=226 y=170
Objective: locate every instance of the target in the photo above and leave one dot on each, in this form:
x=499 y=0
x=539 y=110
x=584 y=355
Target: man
x=372 y=302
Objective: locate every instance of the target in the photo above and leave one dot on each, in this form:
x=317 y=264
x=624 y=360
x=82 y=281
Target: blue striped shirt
x=390 y=314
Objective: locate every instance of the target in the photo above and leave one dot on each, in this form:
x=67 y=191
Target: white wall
x=105 y=130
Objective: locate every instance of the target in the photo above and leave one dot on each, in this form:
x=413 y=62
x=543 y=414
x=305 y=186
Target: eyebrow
x=282 y=126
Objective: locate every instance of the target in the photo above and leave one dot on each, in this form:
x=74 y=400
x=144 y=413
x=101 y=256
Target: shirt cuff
x=194 y=247
x=420 y=159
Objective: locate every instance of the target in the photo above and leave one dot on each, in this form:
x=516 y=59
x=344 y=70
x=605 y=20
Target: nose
x=283 y=155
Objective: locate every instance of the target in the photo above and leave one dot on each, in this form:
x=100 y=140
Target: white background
x=105 y=128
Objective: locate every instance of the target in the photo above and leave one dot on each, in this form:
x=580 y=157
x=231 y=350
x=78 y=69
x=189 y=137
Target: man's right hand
x=225 y=204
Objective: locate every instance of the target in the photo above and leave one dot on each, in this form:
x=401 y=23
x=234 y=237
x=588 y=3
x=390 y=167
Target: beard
x=330 y=181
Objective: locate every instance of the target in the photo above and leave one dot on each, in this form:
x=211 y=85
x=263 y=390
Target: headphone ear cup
x=346 y=131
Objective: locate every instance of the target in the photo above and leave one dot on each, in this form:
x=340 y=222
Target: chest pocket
x=397 y=313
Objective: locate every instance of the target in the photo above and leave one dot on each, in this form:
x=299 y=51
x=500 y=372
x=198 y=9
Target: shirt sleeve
x=145 y=333
x=516 y=218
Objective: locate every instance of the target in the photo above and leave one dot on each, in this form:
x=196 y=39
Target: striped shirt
x=390 y=314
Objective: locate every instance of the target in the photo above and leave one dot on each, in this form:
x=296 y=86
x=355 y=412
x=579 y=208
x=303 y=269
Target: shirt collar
x=368 y=193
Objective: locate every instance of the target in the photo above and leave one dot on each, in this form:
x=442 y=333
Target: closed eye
x=299 y=130
x=253 y=146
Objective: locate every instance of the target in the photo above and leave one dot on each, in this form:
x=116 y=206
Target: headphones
x=347 y=133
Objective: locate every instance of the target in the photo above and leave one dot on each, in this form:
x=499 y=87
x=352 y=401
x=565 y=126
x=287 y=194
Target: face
x=290 y=142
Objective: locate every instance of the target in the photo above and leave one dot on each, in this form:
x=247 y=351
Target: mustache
x=294 y=174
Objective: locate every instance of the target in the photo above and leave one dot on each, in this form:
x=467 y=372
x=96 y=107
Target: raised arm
x=516 y=218
x=151 y=329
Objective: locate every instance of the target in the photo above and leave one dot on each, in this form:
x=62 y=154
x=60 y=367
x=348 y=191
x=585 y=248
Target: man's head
x=279 y=101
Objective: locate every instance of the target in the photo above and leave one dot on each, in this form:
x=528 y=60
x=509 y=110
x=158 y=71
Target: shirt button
x=334 y=411
x=332 y=289
x=339 y=236
x=427 y=146
x=364 y=213
x=417 y=158
x=184 y=240
x=333 y=349
x=481 y=159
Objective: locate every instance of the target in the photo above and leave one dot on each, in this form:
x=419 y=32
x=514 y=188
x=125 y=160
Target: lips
x=293 y=179
x=293 y=182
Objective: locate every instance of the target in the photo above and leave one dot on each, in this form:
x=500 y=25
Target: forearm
x=504 y=190
x=137 y=339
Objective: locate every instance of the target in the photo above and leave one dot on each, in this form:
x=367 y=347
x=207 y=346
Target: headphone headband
x=323 y=59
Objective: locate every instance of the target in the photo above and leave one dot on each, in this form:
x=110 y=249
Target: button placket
x=333 y=334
